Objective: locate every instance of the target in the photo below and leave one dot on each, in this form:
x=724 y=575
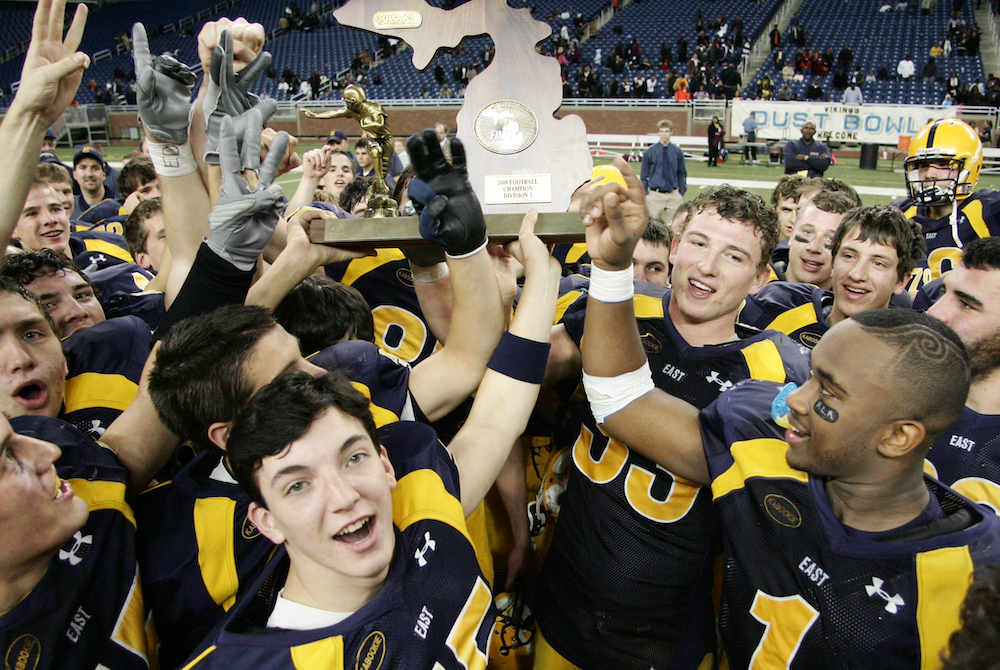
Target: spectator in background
x=846 y=56
x=972 y=38
x=716 y=141
x=806 y=154
x=786 y=93
x=930 y=69
x=853 y=96
x=814 y=91
x=906 y=68
x=954 y=84
x=749 y=136
x=936 y=50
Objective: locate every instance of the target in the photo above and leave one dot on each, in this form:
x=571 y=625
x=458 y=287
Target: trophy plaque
x=518 y=155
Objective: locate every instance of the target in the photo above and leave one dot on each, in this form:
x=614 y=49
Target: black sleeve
x=211 y=283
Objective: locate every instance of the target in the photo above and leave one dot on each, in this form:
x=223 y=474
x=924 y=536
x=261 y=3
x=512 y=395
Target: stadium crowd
x=223 y=444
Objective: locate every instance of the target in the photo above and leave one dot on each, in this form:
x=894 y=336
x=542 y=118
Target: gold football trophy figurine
x=374 y=123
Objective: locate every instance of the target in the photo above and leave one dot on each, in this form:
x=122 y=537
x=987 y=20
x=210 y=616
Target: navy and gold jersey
x=196 y=547
x=797 y=310
x=120 y=278
x=571 y=256
x=800 y=590
x=94 y=215
x=87 y=612
x=435 y=610
x=105 y=364
x=928 y=294
x=386 y=283
x=113 y=224
x=978 y=216
x=626 y=582
x=122 y=290
x=800 y=311
x=94 y=249
x=967 y=458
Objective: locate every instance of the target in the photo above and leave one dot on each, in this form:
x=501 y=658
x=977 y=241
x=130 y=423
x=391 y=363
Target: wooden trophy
x=519 y=156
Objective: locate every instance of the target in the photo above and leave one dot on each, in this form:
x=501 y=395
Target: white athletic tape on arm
x=172 y=160
x=608 y=395
x=611 y=285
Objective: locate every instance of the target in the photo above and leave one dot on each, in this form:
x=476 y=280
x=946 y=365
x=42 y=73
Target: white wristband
x=608 y=395
x=429 y=275
x=611 y=285
x=172 y=160
x=469 y=253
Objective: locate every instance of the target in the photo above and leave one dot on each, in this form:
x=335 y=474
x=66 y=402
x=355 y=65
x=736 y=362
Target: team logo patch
x=23 y=653
x=371 y=653
x=651 y=344
x=809 y=339
x=249 y=531
x=782 y=510
x=405 y=277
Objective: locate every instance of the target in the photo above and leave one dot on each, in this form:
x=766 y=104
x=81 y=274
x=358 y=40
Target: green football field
x=759 y=178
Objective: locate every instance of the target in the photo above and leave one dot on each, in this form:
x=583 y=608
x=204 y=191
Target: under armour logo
x=79 y=539
x=429 y=544
x=892 y=603
x=92 y=427
x=714 y=379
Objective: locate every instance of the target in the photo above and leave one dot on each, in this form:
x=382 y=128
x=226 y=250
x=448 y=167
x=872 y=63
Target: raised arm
x=141 y=441
x=510 y=386
x=52 y=72
x=315 y=164
x=616 y=372
x=164 y=99
x=299 y=259
x=451 y=217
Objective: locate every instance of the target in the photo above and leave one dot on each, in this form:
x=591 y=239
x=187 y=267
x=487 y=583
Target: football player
x=967 y=456
x=873 y=250
x=208 y=367
x=68 y=593
x=626 y=580
x=376 y=560
x=942 y=168
x=839 y=552
x=651 y=261
x=809 y=257
x=43 y=223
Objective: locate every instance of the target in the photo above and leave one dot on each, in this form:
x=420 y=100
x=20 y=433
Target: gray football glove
x=163 y=87
x=243 y=219
x=228 y=94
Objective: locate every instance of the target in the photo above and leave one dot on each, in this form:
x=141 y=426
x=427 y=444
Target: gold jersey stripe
x=362 y=266
x=420 y=496
x=943 y=577
x=213 y=529
x=95 y=389
x=762 y=457
x=105 y=247
x=764 y=361
x=794 y=319
x=103 y=495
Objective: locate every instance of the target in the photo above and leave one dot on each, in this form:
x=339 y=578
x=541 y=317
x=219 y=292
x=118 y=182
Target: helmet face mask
x=928 y=191
x=944 y=162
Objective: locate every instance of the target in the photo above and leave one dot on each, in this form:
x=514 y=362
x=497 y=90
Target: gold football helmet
x=947 y=144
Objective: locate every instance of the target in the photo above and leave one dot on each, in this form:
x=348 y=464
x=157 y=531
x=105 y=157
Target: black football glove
x=449 y=211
